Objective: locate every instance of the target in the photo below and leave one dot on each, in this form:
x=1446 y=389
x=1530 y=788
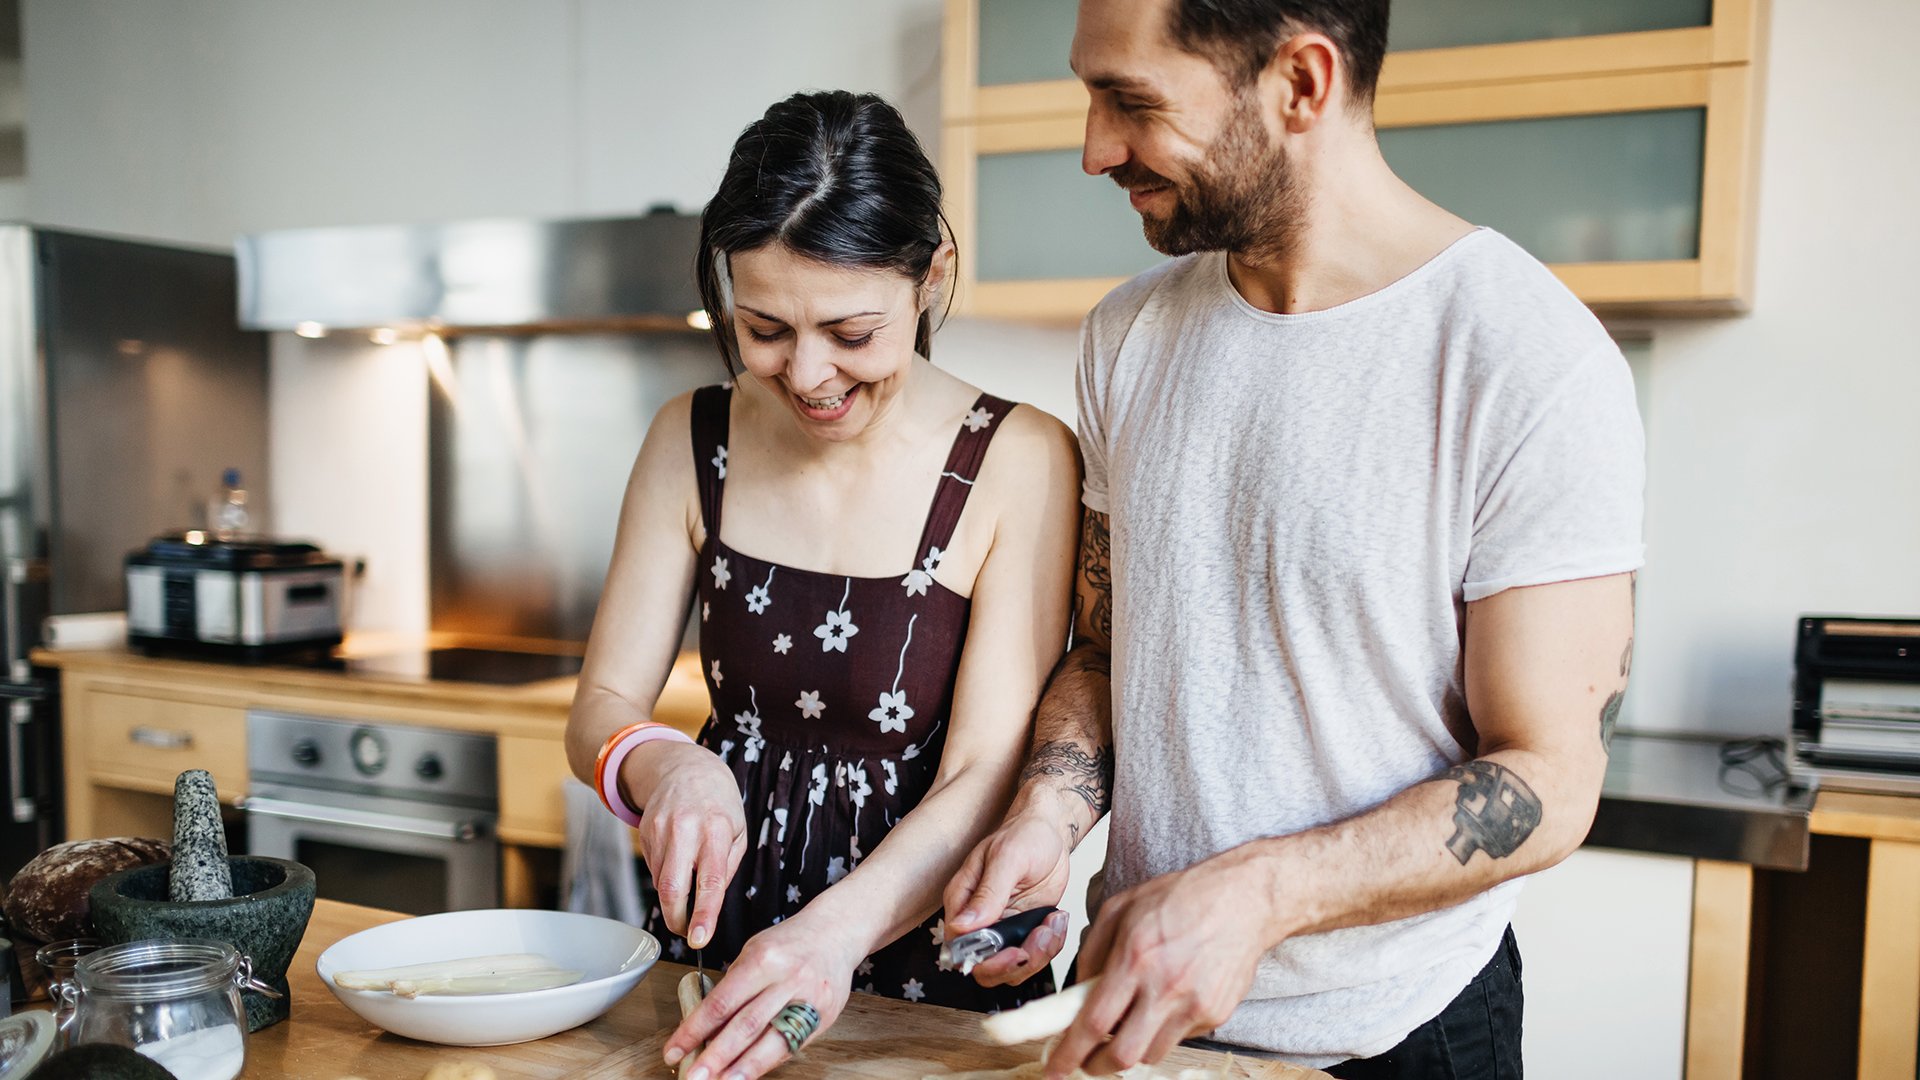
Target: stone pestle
x=200 y=868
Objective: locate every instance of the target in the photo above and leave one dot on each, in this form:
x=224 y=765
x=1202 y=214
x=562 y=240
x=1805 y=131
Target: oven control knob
x=306 y=752
x=429 y=767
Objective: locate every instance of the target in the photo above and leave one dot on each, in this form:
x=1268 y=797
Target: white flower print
x=720 y=461
x=752 y=891
x=759 y=598
x=939 y=932
x=840 y=775
x=721 y=575
x=793 y=894
x=749 y=725
x=917 y=582
x=716 y=673
x=677 y=949
x=910 y=753
x=932 y=561
x=780 y=819
x=975 y=420
x=809 y=704
x=817 y=794
x=913 y=990
x=893 y=776
x=833 y=633
x=837 y=869
x=786 y=761
x=892 y=713
x=858 y=789
x=865 y=969
x=726 y=747
x=706 y=611
x=781 y=643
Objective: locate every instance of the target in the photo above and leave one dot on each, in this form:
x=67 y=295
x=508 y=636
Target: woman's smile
x=828 y=409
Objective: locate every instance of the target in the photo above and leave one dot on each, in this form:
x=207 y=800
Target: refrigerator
x=126 y=388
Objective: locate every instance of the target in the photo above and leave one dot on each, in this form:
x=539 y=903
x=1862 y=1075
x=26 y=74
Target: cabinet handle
x=161 y=740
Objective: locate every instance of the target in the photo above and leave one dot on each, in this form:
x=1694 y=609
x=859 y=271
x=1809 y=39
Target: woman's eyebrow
x=825 y=322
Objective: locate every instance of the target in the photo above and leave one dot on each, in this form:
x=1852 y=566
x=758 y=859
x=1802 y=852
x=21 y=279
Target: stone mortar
x=265 y=919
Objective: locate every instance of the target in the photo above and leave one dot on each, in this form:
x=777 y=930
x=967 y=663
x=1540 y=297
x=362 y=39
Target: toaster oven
x=248 y=598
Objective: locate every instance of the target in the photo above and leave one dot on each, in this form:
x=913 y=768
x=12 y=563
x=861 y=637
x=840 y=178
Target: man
x=1362 y=509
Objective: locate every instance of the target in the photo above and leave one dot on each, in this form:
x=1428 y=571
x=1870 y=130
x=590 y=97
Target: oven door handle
x=460 y=831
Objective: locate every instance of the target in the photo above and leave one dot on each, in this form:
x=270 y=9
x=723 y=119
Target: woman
x=882 y=558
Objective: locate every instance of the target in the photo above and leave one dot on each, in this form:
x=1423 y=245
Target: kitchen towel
x=597 y=875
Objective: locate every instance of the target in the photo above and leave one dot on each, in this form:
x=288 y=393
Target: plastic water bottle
x=230 y=515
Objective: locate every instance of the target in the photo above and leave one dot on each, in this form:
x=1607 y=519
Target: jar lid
x=158 y=970
x=25 y=1040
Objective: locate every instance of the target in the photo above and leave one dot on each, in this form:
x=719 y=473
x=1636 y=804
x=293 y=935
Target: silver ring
x=796 y=1024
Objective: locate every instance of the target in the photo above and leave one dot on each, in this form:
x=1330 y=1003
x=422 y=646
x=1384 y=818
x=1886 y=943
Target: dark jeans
x=1476 y=1037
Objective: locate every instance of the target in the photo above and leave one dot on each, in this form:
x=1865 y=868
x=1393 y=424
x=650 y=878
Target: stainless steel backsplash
x=530 y=441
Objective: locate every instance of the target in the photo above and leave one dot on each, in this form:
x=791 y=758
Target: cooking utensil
x=969 y=949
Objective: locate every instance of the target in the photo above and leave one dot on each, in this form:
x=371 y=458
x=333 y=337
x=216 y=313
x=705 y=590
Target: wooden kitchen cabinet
x=1617 y=142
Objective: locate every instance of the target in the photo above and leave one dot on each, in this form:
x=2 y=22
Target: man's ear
x=1302 y=81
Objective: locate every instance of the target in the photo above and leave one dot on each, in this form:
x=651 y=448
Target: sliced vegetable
x=1040 y=1019
x=512 y=982
x=501 y=964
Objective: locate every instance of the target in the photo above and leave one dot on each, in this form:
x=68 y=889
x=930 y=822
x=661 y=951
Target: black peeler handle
x=1013 y=929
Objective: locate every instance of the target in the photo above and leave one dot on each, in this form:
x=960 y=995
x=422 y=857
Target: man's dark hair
x=1239 y=36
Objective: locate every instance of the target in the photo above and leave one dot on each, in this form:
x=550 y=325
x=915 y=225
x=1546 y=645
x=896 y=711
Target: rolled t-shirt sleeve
x=1090 y=424
x=1566 y=495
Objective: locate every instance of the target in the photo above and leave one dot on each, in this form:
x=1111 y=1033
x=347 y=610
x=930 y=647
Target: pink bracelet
x=615 y=752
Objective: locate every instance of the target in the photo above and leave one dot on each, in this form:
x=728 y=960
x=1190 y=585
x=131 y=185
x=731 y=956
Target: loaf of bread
x=47 y=899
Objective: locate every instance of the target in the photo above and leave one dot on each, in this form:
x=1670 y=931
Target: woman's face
x=835 y=345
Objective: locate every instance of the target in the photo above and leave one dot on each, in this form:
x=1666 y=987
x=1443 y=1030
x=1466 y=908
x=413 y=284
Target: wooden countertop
x=536 y=708
x=1874 y=817
x=876 y=1037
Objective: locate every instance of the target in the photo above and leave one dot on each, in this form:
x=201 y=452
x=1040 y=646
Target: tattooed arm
x=1066 y=787
x=1544 y=673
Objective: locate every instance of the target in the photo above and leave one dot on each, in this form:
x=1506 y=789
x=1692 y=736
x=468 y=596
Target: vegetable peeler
x=969 y=949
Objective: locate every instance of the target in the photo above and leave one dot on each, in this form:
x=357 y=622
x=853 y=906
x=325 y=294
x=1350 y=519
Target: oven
x=386 y=815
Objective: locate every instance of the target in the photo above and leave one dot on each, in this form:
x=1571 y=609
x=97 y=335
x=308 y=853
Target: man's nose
x=1103 y=149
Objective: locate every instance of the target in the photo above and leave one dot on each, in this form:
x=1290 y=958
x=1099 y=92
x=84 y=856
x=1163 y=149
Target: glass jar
x=177 y=1002
x=58 y=959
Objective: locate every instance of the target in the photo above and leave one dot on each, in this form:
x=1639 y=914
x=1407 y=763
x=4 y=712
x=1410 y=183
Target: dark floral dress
x=831 y=697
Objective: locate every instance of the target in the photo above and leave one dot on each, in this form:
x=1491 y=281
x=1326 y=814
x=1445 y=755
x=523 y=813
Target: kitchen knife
x=969 y=949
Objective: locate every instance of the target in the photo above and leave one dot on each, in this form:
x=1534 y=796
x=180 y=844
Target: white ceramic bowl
x=614 y=956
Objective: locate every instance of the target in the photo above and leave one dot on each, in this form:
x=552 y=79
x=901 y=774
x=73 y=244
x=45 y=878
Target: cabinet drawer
x=146 y=742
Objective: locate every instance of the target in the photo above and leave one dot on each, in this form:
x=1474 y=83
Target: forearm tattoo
x=1088 y=775
x=1495 y=811
x=1096 y=562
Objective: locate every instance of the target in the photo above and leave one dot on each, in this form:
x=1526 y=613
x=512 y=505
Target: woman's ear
x=939 y=276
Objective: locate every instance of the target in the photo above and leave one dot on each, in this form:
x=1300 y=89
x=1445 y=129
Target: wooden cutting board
x=876 y=1038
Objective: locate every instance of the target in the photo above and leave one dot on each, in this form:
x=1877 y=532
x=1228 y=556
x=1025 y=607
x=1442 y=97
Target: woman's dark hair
x=833 y=176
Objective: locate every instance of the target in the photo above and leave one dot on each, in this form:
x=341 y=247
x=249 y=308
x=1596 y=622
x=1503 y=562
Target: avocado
x=100 y=1061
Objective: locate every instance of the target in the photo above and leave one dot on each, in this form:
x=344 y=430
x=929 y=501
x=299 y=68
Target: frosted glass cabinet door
x=1039 y=217
x=1025 y=40
x=1618 y=187
x=1442 y=24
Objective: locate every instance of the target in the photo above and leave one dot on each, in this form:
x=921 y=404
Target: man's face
x=1197 y=157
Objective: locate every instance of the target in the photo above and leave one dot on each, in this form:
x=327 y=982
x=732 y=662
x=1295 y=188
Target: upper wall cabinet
x=1615 y=139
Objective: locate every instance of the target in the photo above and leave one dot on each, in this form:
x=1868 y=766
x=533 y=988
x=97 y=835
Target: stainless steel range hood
x=586 y=275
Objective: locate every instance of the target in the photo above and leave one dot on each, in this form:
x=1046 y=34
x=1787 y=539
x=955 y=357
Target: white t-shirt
x=1301 y=505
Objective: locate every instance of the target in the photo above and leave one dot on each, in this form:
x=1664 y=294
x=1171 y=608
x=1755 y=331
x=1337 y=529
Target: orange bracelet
x=606 y=767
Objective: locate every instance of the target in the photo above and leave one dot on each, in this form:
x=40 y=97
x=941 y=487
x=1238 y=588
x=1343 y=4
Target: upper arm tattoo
x=1495 y=811
x=1096 y=564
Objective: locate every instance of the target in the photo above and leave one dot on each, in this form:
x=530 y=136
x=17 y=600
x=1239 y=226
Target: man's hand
x=1018 y=867
x=1175 y=957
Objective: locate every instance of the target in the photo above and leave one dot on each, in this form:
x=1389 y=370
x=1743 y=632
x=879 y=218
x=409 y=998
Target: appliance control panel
x=373 y=757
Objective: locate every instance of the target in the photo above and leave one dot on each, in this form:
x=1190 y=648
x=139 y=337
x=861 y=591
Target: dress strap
x=956 y=482
x=709 y=426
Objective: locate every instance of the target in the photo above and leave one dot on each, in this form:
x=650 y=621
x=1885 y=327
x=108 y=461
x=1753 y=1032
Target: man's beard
x=1241 y=197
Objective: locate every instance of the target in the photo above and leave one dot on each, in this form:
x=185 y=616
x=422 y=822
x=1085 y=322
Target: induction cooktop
x=496 y=667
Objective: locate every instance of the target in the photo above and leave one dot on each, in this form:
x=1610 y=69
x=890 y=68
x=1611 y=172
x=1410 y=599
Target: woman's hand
x=1018 y=867
x=800 y=959
x=692 y=831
